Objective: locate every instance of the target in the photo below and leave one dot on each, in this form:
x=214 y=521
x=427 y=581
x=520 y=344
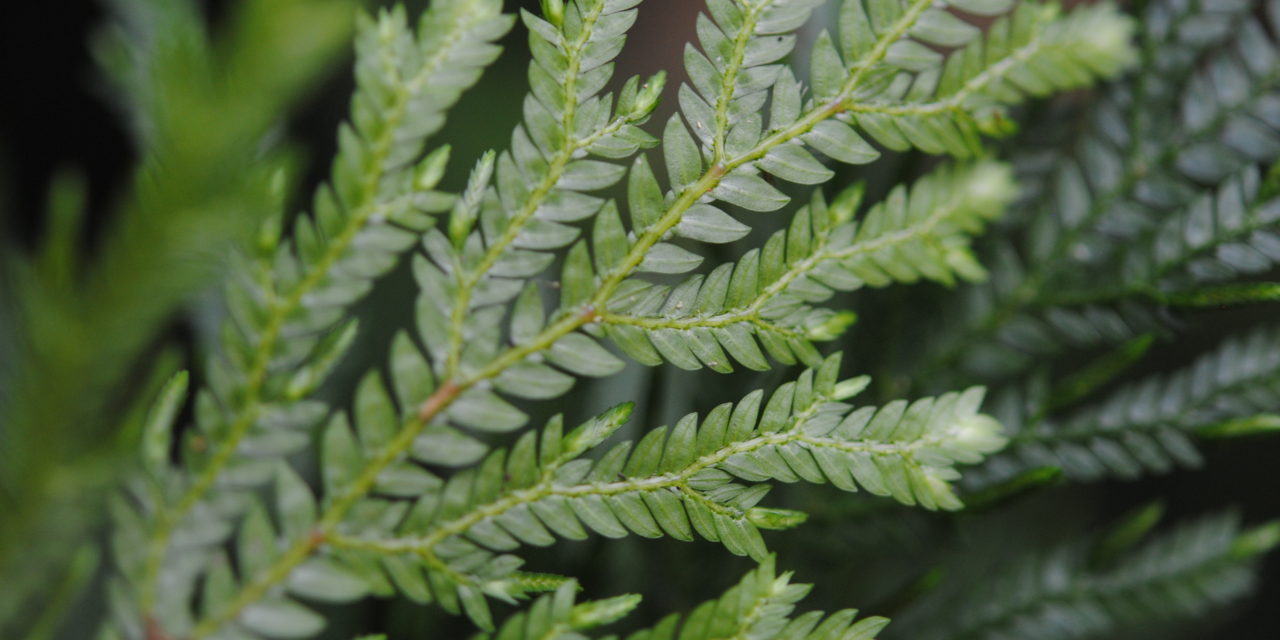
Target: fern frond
x=281 y=339
x=769 y=295
x=860 y=91
x=1018 y=337
x=1059 y=594
x=590 y=282
x=760 y=606
x=1135 y=163
x=946 y=105
x=448 y=546
x=742 y=42
x=479 y=346
x=1216 y=238
x=1147 y=427
x=867 y=24
x=472 y=274
x=1219 y=236
x=558 y=617
x=542 y=181
x=1184 y=30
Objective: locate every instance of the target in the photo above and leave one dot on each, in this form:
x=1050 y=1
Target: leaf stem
x=728 y=80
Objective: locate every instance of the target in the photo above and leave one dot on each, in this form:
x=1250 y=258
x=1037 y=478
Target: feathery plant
x=1149 y=212
x=1104 y=586
x=584 y=242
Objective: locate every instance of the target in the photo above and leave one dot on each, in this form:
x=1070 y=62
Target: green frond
x=558 y=617
x=683 y=482
x=543 y=182
x=742 y=44
x=868 y=24
x=593 y=275
x=1147 y=427
x=729 y=83
x=942 y=104
x=1059 y=594
x=415 y=499
x=1014 y=338
x=760 y=606
x=1218 y=237
x=769 y=295
x=724 y=163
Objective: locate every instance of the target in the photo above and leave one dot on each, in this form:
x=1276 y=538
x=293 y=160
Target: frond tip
x=760 y=606
x=1147 y=427
x=943 y=104
x=558 y=617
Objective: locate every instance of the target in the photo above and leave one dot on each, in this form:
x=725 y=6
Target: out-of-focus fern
x=288 y=304
x=1162 y=144
x=80 y=326
x=1146 y=215
x=1166 y=202
x=1147 y=426
x=1071 y=591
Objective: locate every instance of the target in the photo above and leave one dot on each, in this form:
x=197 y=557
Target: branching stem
x=568 y=321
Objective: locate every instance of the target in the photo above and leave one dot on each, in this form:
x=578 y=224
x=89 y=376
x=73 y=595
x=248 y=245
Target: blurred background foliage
x=117 y=217
x=86 y=302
